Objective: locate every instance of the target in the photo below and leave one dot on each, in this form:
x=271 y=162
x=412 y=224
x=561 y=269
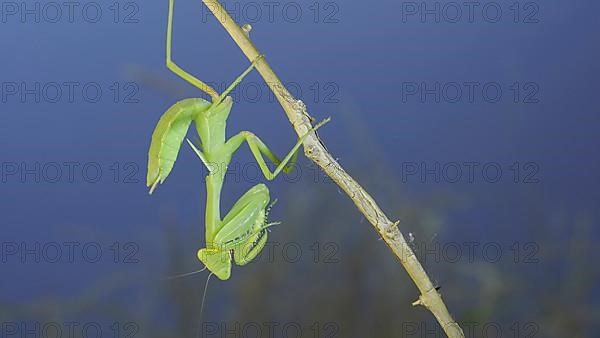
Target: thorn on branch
x=418 y=302
x=247 y=28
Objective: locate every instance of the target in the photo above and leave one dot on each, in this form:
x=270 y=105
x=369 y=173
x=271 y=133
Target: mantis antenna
x=186 y=274
x=202 y=305
x=203 y=294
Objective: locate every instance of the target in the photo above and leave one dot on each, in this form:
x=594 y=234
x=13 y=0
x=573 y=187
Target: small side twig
x=314 y=149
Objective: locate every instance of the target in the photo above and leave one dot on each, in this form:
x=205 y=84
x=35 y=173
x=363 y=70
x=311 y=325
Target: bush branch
x=314 y=149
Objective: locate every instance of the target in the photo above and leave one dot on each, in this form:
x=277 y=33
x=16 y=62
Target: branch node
x=391 y=231
x=247 y=28
x=418 y=302
x=392 y=227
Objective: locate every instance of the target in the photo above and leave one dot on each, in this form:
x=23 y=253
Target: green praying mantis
x=241 y=234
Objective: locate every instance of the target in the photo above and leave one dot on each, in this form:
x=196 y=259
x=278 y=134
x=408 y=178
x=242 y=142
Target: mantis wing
x=168 y=136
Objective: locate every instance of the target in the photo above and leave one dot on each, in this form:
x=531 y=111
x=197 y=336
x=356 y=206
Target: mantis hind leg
x=176 y=69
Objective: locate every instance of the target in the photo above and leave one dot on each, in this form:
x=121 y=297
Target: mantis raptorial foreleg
x=259 y=148
x=176 y=69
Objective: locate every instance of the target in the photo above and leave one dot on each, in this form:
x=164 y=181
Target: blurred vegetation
x=345 y=282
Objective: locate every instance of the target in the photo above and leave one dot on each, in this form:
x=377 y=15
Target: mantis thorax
x=210 y=125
